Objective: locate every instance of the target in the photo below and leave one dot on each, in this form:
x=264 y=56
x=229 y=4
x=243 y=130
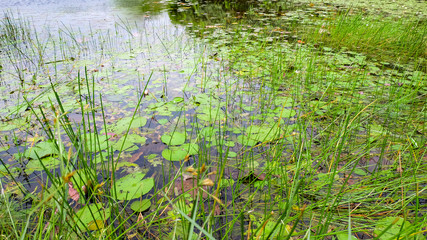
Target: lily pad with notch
x=133 y=186
x=177 y=153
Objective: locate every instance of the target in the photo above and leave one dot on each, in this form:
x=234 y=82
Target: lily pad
x=140 y=206
x=133 y=186
x=95 y=142
x=179 y=152
x=4 y=148
x=37 y=164
x=129 y=143
x=123 y=124
x=41 y=150
x=162 y=121
x=176 y=138
x=344 y=236
x=91 y=217
x=392 y=227
x=245 y=140
x=232 y=154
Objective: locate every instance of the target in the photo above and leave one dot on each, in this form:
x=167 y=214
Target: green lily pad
x=245 y=140
x=224 y=183
x=92 y=142
x=162 y=121
x=129 y=143
x=179 y=152
x=133 y=186
x=176 y=138
x=229 y=143
x=4 y=148
x=232 y=154
x=376 y=130
x=41 y=150
x=344 y=236
x=392 y=226
x=209 y=132
x=37 y=164
x=178 y=100
x=123 y=124
x=140 y=206
x=91 y=217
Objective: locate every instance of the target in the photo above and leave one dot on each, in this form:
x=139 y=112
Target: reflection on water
x=84 y=14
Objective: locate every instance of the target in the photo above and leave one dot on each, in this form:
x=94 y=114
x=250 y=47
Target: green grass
x=263 y=140
x=383 y=39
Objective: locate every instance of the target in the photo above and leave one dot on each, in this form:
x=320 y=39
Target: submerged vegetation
x=269 y=120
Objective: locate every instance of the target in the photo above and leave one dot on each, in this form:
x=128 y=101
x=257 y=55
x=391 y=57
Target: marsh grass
x=296 y=145
x=382 y=38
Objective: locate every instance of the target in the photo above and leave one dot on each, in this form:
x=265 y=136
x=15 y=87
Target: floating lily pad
x=95 y=142
x=140 y=206
x=122 y=125
x=226 y=183
x=179 y=152
x=344 y=236
x=178 y=100
x=245 y=140
x=91 y=217
x=129 y=143
x=41 y=150
x=37 y=164
x=133 y=186
x=162 y=121
x=4 y=148
x=232 y=154
x=392 y=226
x=176 y=138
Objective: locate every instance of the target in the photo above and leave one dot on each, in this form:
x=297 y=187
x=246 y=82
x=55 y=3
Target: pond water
x=97 y=14
x=264 y=100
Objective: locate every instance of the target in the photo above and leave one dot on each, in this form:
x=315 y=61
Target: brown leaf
x=73 y=192
x=136 y=156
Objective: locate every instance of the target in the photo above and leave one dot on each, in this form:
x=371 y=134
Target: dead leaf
x=73 y=192
x=136 y=156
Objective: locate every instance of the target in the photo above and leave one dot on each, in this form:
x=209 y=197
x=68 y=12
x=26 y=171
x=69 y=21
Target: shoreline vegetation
x=268 y=120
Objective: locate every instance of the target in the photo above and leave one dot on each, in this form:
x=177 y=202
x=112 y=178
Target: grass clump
x=383 y=39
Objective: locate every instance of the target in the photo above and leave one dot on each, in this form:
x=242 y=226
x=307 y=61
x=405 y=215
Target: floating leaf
x=178 y=153
x=162 y=121
x=4 y=148
x=41 y=150
x=178 y=100
x=176 y=138
x=245 y=140
x=226 y=183
x=140 y=206
x=360 y=172
x=123 y=124
x=392 y=227
x=73 y=192
x=95 y=142
x=344 y=236
x=37 y=164
x=96 y=225
x=133 y=186
x=232 y=154
x=91 y=217
x=129 y=142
